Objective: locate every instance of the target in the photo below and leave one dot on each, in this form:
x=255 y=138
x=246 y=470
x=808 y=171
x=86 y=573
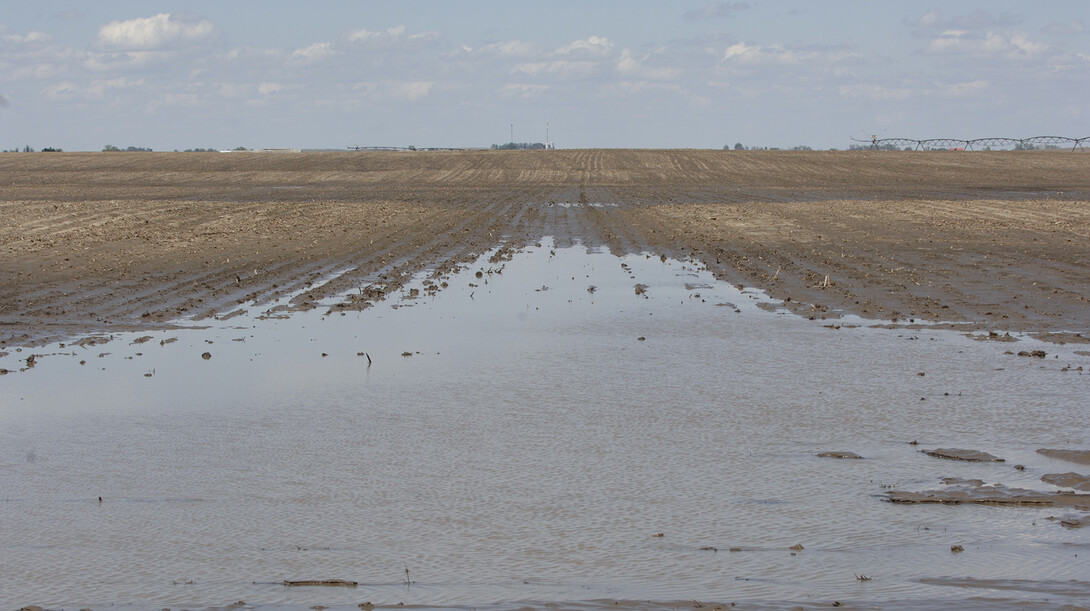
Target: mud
x=973 y=491
x=1073 y=480
x=336 y=583
x=839 y=454
x=98 y=242
x=1081 y=457
x=967 y=455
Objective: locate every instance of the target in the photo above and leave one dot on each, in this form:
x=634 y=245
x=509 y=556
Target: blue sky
x=322 y=74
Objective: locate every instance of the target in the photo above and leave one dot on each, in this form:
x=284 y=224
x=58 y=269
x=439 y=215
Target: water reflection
x=520 y=437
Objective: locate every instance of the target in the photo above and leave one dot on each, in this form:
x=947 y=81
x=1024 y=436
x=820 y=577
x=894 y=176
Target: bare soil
x=95 y=242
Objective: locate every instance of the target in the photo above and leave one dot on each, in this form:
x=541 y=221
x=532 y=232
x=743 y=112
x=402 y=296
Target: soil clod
x=1081 y=457
x=967 y=455
x=839 y=454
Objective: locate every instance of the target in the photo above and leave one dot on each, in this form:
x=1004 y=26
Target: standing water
x=565 y=426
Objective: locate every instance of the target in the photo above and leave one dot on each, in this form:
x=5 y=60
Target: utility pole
x=512 y=133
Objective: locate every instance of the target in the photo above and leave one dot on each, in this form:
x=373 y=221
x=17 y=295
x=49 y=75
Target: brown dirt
x=967 y=455
x=1076 y=481
x=959 y=491
x=96 y=242
x=1081 y=457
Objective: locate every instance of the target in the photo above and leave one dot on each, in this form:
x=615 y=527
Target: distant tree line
x=30 y=149
x=109 y=148
x=738 y=146
x=518 y=146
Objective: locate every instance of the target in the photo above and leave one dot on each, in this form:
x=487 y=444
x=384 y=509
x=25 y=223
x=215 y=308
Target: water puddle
x=554 y=425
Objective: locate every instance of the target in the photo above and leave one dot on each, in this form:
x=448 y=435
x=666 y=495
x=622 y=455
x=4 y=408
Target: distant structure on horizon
x=957 y=144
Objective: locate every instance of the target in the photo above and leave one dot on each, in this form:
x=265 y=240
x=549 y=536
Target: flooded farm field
x=547 y=425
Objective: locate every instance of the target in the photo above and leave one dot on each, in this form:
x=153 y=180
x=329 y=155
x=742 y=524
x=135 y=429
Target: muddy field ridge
x=980 y=241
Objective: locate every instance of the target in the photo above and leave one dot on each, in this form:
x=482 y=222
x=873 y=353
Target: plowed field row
x=95 y=242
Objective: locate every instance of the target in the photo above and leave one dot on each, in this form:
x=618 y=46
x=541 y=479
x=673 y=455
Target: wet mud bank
x=983 y=241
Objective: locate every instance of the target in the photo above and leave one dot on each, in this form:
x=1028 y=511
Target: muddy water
x=523 y=437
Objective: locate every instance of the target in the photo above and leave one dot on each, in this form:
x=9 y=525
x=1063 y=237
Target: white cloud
x=155 y=32
x=560 y=68
x=391 y=37
x=771 y=54
x=1016 y=45
x=35 y=71
x=740 y=50
x=98 y=88
x=742 y=54
x=395 y=90
x=507 y=48
x=25 y=40
x=233 y=90
x=95 y=90
x=879 y=92
x=315 y=52
x=410 y=90
x=629 y=65
x=63 y=90
x=186 y=100
x=593 y=45
x=977 y=20
x=968 y=89
x=388 y=34
x=930 y=19
x=118 y=61
x=269 y=88
x=522 y=90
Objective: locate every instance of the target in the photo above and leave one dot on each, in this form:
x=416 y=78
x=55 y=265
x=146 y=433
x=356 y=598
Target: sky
x=172 y=75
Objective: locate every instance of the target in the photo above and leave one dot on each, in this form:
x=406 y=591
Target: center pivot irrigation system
x=977 y=144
